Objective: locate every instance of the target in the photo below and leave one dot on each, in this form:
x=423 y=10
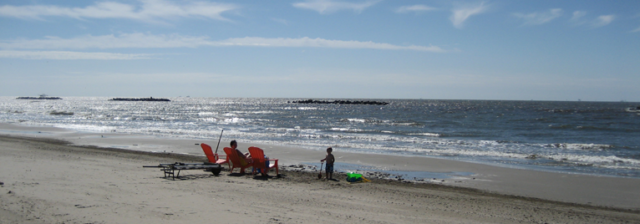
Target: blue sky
x=503 y=50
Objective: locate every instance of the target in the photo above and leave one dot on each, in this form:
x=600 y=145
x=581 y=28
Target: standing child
x=330 y=160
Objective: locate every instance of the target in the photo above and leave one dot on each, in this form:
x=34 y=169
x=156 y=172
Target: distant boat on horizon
x=141 y=99
x=41 y=97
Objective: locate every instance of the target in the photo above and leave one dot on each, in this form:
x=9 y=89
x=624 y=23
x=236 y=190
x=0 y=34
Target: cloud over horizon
x=539 y=18
x=578 y=18
x=603 y=20
x=461 y=13
x=149 y=10
x=331 y=6
x=140 y=40
x=70 y=55
x=414 y=8
x=321 y=43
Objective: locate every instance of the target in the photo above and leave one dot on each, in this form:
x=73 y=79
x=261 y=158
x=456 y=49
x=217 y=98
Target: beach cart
x=170 y=169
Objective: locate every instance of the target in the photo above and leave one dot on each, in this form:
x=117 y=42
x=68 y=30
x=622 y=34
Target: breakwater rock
x=340 y=102
x=41 y=97
x=141 y=99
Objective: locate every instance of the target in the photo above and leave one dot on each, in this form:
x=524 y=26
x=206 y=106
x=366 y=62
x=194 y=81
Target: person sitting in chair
x=234 y=146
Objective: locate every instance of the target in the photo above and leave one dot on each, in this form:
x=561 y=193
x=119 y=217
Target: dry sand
x=48 y=181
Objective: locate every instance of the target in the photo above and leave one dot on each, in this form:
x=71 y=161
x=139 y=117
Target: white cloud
x=331 y=6
x=319 y=42
x=603 y=20
x=462 y=12
x=539 y=18
x=150 y=10
x=70 y=55
x=577 y=17
x=414 y=8
x=636 y=30
x=140 y=40
x=133 y=40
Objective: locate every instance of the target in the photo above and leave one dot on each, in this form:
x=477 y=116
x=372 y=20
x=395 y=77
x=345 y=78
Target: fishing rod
x=219 y=141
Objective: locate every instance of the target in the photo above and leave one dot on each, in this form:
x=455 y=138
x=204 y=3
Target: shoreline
x=118 y=140
x=615 y=192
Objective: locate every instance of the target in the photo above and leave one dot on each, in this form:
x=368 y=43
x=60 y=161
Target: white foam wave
x=593 y=159
x=617 y=166
x=405 y=124
x=300 y=108
x=209 y=119
x=234 y=120
x=375 y=121
x=206 y=114
x=427 y=134
x=578 y=146
x=87 y=128
x=294 y=130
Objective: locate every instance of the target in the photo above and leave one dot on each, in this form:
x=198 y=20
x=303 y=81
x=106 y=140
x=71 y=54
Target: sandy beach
x=48 y=178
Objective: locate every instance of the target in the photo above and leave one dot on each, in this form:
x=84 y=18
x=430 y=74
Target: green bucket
x=354 y=177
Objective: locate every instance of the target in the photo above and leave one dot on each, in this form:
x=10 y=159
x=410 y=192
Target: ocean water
x=598 y=138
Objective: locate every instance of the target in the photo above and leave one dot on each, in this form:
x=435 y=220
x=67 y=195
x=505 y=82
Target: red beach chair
x=213 y=157
x=236 y=161
x=259 y=161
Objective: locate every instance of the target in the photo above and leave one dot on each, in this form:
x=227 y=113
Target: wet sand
x=49 y=181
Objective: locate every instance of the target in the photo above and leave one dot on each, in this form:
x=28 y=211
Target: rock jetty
x=340 y=102
x=141 y=99
x=41 y=97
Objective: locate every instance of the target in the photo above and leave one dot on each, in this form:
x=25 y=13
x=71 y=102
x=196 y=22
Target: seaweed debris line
x=41 y=97
x=141 y=99
x=340 y=102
